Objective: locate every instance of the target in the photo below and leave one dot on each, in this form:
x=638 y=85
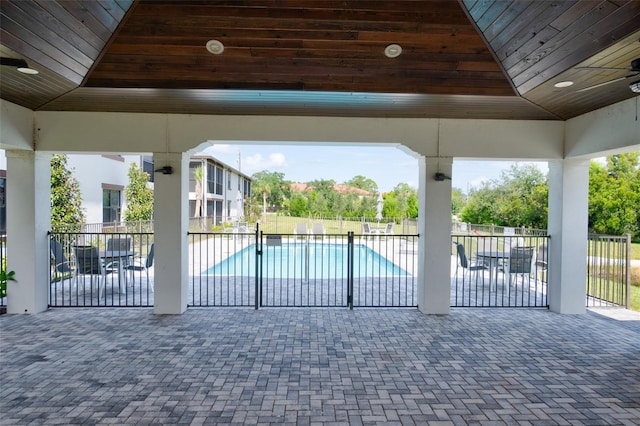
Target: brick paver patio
x=318 y=366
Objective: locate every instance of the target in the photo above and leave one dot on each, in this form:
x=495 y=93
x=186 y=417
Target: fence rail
x=609 y=271
x=258 y=269
x=295 y=270
x=101 y=269
x=505 y=271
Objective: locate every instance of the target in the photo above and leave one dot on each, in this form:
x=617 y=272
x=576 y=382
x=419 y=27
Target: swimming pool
x=307 y=261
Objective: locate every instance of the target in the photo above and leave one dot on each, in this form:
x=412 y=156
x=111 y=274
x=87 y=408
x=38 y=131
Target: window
x=219 y=181
x=192 y=175
x=210 y=208
x=218 y=212
x=147 y=166
x=229 y=180
x=110 y=205
x=228 y=208
x=247 y=189
x=211 y=179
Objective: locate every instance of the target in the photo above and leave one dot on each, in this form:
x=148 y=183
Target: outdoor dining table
x=122 y=258
x=493 y=258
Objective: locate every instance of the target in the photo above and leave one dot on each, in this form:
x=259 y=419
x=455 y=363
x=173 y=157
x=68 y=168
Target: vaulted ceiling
x=459 y=59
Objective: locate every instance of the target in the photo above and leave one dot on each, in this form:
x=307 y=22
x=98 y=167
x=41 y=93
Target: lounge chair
x=301 y=229
x=389 y=229
x=318 y=229
x=367 y=230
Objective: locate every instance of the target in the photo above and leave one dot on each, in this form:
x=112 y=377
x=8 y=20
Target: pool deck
x=319 y=367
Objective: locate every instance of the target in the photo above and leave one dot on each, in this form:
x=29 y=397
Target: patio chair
x=89 y=263
x=61 y=267
x=521 y=261
x=118 y=244
x=318 y=229
x=138 y=266
x=301 y=229
x=114 y=244
x=388 y=229
x=465 y=264
x=367 y=230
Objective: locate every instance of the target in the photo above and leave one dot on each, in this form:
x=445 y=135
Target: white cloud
x=257 y=162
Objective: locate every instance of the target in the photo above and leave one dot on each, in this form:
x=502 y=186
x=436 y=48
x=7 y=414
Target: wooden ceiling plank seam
x=442 y=11
x=35 y=54
x=475 y=8
x=493 y=12
x=560 y=60
x=519 y=25
x=526 y=50
x=309 y=70
x=82 y=33
x=529 y=66
x=496 y=60
x=505 y=19
x=576 y=12
x=47 y=29
x=101 y=14
x=279 y=7
x=77 y=9
x=215 y=23
x=532 y=35
x=108 y=43
x=113 y=8
x=121 y=62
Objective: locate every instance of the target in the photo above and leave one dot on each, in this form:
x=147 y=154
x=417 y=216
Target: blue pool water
x=312 y=261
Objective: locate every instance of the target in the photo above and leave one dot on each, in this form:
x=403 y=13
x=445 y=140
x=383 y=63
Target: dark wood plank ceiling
x=302 y=45
x=460 y=59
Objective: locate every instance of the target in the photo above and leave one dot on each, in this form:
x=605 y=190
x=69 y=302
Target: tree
x=198 y=175
x=66 y=200
x=270 y=189
x=363 y=183
x=518 y=198
x=457 y=201
x=139 y=195
x=614 y=196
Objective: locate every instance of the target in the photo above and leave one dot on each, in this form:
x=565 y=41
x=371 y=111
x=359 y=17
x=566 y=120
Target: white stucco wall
x=92 y=171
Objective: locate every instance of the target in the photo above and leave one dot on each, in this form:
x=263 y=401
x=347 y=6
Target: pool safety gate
x=303 y=270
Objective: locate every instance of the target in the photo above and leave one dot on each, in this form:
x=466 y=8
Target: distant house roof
x=301 y=187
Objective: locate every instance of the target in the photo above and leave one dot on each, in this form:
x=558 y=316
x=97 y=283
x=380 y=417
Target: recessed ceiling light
x=563 y=84
x=215 y=46
x=392 y=51
x=29 y=71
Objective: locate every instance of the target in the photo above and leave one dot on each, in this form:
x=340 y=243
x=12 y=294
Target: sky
x=387 y=166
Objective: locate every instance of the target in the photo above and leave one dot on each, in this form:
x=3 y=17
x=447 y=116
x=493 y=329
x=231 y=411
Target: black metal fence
x=296 y=270
x=3 y=264
x=499 y=271
x=609 y=271
x=255 y=270
x=101 y=269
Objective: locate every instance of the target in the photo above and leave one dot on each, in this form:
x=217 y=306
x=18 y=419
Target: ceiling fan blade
x=595 y=86
x=13 y=62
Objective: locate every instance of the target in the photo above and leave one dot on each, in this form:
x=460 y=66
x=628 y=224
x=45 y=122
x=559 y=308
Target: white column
x=171 y=223
x=568 y=223
x=434 y=227
x=28 y=220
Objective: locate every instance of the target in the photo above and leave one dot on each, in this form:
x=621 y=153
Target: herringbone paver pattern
x=318 y=367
